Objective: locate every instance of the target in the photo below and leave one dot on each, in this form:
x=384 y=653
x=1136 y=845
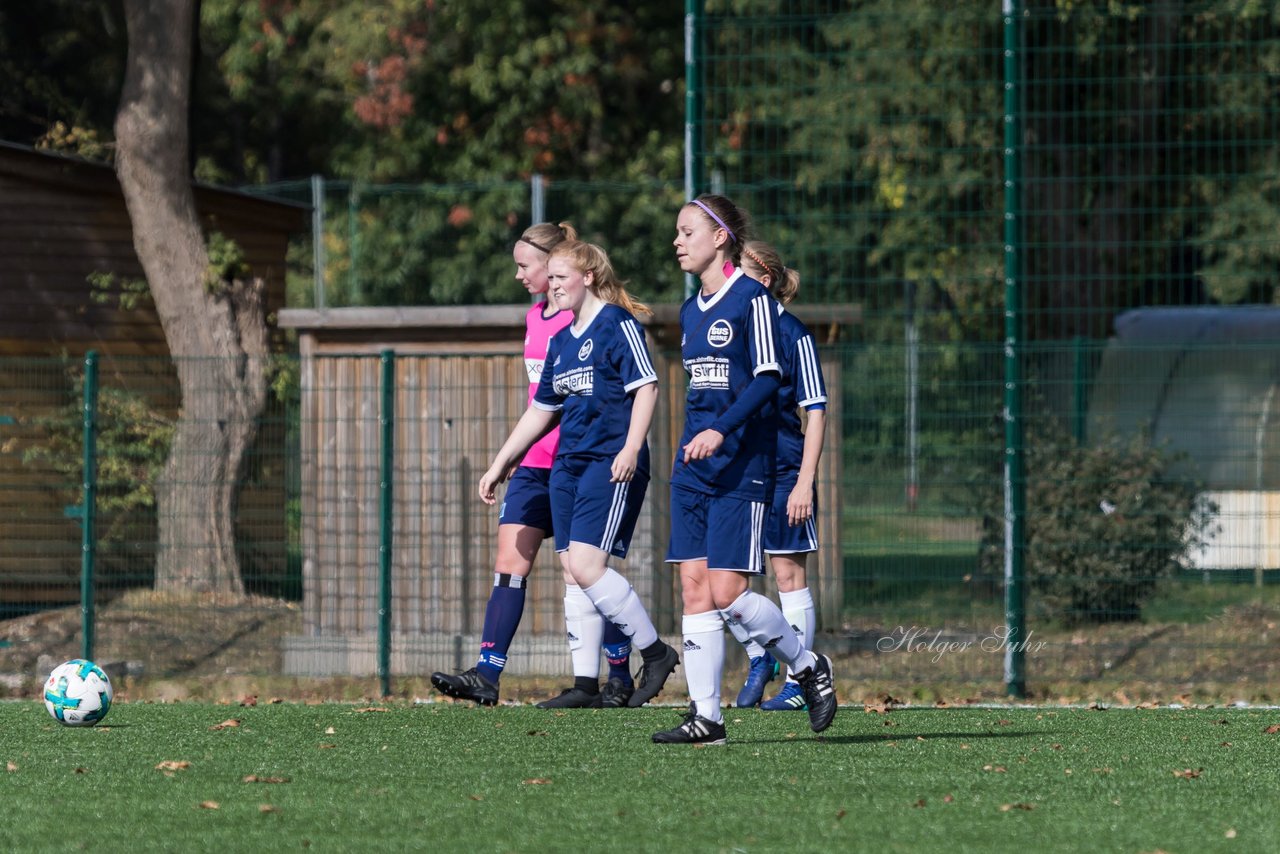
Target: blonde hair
x=783 y=281
x=589 y=258
x=544 y=236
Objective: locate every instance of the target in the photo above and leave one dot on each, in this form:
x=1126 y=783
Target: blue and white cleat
x=789 y=699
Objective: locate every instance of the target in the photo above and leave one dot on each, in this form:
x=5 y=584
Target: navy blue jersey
x=588 y=377
x=802 y=388
x=726 y=341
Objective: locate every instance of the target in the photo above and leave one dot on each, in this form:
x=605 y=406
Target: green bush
x=1105 y=523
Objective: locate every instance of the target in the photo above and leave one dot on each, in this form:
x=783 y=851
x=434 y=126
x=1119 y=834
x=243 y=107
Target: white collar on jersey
x=583 y=321
x=705 y=303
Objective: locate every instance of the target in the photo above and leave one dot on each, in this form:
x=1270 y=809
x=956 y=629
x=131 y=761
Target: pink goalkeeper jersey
x=538 y=333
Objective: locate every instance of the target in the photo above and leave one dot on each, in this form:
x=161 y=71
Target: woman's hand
x=703 y=445
x=489 y=483
x=624 y=466
x=800 y=504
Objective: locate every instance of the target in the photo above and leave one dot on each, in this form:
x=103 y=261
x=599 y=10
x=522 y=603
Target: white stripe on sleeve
x=810 y=389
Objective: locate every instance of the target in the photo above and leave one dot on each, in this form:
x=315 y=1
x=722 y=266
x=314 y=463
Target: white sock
x=764 y=622
x=615 y=598
x=753 y=649
x=585 y=628
x=703 y=661
x=800 y=613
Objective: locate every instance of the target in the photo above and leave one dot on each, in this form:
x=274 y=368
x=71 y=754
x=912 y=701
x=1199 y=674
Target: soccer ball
x=77 y=693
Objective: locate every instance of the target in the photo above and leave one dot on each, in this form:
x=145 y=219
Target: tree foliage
x=867 y=137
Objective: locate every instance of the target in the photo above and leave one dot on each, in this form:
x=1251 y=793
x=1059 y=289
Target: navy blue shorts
x=528 y=500
x=780 y=536
x=727 y=532
x=589 y=509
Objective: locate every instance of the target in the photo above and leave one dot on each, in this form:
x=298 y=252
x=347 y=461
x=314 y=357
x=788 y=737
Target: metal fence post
x=89 y=488
x=692 y=110
x=1015 y=485
x=386 y=518
x=353 y=239
x=1079 y=389
x=537 y=199
x=317 y=239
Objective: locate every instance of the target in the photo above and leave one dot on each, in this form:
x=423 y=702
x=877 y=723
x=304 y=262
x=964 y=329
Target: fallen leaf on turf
x=82 y=770
x=999 y=769
x=947 y=799
x=254 y=778
x=275 y=701
x=477 y=797
x=537 y=732
x=325 y=746
x=373 y=709
x=1271 y=730
x=840 y=815
x=268 y=808
x=1008 y=807
x=10 y=767
x=249 y=701
x=537 y=781
x=1225 y=744
x=209 y=805
x=919 y=803
x=173 y=765
x=227 y=724
x=1188 y=773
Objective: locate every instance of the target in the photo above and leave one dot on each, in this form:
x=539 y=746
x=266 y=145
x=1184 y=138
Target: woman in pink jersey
x=524 y=521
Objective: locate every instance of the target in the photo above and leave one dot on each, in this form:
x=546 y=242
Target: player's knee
x=512 y=563
x=726 y=587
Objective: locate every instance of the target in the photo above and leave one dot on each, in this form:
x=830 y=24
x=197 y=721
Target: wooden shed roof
x=367 y=329
x=90 y=176
x=63 y=221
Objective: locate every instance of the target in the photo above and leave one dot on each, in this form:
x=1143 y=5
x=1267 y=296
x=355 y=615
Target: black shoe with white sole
x=694 y=730
x=819 y=690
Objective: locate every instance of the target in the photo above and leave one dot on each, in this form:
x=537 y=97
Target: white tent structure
x=1202 y=381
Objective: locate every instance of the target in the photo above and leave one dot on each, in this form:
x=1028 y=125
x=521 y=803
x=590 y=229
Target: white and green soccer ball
x=77 y=693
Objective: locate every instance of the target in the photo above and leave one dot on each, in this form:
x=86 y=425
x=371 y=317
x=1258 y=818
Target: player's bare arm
x=644 y=400
x=532 y=426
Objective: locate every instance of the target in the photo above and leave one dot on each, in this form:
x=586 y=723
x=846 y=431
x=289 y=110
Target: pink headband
x=718 y=220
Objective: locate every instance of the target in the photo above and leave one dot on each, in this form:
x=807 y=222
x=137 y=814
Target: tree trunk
x=216 y=330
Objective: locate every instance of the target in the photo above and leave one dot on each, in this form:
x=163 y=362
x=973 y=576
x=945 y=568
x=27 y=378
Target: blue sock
x=617 y=651
x=501 y=619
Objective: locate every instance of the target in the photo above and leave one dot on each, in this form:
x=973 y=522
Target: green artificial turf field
x=445 y=777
